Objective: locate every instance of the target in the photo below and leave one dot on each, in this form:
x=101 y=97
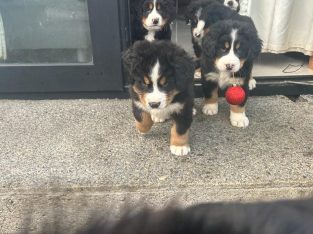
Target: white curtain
x=284 y=25
x=3 y=48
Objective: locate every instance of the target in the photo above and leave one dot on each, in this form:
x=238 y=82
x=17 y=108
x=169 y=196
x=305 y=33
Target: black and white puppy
x=229 y=49
x=203 y=13
x=161 y=87
x=151 y=19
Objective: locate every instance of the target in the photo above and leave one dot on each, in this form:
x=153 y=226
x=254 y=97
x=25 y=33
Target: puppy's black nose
x=154 y=105
x=229 y=67
x=230 y=3
x=155 y=21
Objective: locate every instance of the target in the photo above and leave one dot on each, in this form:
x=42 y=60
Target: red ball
x=235 y=95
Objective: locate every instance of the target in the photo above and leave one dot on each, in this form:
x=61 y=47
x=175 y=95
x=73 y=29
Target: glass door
x=60 y=46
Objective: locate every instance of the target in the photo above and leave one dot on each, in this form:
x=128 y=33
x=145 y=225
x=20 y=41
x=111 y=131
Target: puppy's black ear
x=183 y=66
x=209 y=45
x=169 y=8
x=131 y=60
x=191 y=11
x=255 y=43
x=256 y=47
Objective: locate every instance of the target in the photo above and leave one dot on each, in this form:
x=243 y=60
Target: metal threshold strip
x=276 y=85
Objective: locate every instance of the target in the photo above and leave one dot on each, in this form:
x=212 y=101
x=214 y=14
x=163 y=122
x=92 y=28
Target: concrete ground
x=76 y=155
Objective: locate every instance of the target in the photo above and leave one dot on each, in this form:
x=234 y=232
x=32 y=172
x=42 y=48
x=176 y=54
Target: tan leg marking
x=198 y=70
x=213 y=99
x=179 y=140
x=205 y=31
x=197 y=74
x=237 y=109
x=210 y=106
x=242 y=62
x=238 y=117
x=170 y=96
x=141 y=95
x=146 y=123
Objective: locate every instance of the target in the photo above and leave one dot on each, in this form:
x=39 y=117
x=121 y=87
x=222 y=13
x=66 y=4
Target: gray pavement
x=85 y=154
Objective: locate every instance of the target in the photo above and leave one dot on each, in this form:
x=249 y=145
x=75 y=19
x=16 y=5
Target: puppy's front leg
x=143 y=120
x=238 y=116
x=210 y=90
x=180 y=133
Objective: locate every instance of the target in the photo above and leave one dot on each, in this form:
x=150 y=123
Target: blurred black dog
x=280 y=217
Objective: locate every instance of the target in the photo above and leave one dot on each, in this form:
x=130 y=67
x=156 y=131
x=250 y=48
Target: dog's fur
x=209 y=12
x=160 y=75
x=279 y=217
x=229 y=50
x=144 y=12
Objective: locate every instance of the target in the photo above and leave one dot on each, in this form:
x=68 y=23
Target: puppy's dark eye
x=163 y=82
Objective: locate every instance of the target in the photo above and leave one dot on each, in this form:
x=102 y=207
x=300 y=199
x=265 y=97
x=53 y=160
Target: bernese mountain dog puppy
x=161 y=87
x=278 y=217
x=203 y=13
x=151 y=19
x=229 y=49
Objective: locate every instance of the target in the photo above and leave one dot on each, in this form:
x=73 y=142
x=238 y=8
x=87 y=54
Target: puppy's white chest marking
x=227 y=79
x=150 y=36
x=160 y=115
x=224 y=79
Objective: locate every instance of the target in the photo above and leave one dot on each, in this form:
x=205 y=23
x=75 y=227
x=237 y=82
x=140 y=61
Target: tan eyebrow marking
x=150 y=6
x=162 y=81
x=146 y=80
x=158 y=6
x=238 y=45
x=227 y=45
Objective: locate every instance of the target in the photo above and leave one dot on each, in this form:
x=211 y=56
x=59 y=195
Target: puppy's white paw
x=194 y=111
x=252 y=84
x=197 y=74
x=239 y=120
x=157 y=119
x=180 y=150
x=210 y=109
